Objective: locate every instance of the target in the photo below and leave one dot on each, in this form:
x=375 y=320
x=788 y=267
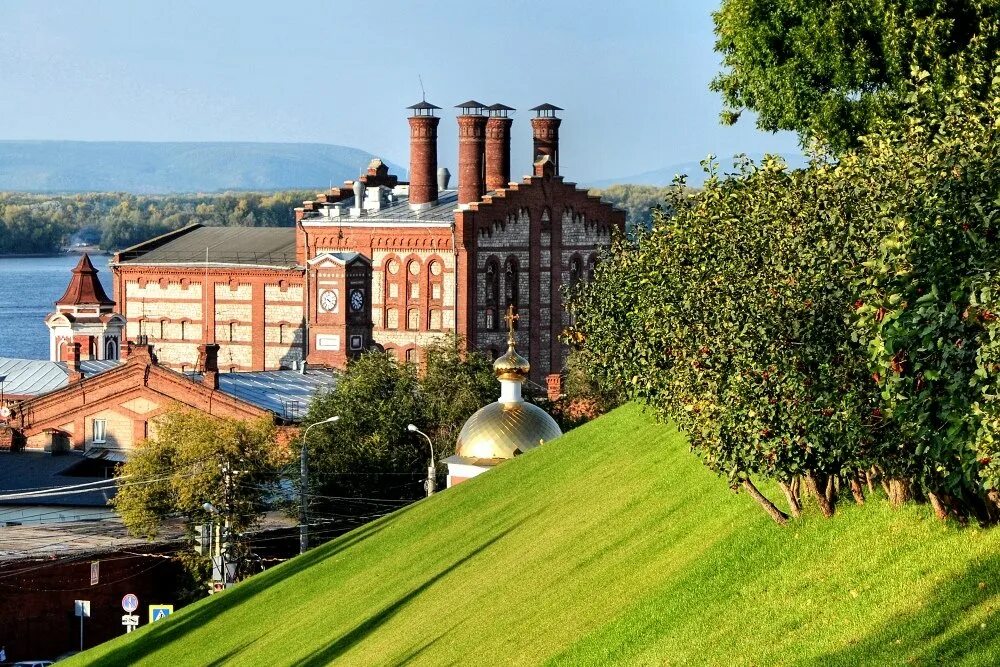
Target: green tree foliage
x=833 y=70
x=369 y=452
x=184 y=465
x=731 y=317
x=929 y=297
x=45 y=223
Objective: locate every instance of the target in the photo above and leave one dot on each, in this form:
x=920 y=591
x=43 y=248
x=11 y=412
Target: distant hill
x=696 y=175
x=156 y=168
x=610 y=545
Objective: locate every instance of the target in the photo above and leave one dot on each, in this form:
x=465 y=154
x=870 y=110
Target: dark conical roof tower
x=84 y=288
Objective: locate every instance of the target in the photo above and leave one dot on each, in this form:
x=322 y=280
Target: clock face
x=357 y=300
x=328 y=301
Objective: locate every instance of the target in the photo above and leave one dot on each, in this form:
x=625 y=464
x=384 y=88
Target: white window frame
x=103 y=430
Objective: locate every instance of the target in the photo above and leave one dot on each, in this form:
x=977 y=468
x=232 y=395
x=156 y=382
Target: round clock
x=328 y=301
x=357 y=300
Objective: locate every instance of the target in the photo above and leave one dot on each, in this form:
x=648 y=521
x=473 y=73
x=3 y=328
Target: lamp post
x=431 y=469
x=304 y=485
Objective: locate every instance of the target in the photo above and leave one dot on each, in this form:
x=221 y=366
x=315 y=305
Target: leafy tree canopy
x=831 y=69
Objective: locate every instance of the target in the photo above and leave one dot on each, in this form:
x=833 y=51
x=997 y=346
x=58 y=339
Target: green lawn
x=612 y=544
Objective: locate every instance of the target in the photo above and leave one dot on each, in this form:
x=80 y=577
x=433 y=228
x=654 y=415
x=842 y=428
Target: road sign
x=130 y=621
x=81 y=608
x=130 y=603
x=158 y=611
x=95 y=572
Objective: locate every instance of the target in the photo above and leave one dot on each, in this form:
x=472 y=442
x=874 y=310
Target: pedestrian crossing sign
x=160 y=611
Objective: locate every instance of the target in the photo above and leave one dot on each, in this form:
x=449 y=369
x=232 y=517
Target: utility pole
x=432 y=467
x=304 y=485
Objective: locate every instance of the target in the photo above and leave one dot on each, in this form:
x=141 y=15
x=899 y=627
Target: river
x=29 y=287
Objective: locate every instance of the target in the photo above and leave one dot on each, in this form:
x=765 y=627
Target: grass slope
x=610 y=545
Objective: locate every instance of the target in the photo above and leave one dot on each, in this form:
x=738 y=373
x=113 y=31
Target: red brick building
x=381 y=262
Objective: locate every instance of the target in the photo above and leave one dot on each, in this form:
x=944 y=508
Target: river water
x=29 y=287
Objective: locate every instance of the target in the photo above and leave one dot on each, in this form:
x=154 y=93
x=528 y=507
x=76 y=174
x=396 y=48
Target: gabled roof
x=84 y=288
x=31 y=377
x=268 y=247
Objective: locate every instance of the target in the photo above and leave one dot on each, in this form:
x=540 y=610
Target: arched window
x=434 y=280
x=281 y=333
x=413 y=319
x=412 y=280
x=435 y=320
x=591 y=265
x=411 y=355
x=510 y=283
x=575 y=270
x=491 y=296
x=232 y=331
x=111 y=349
x=391 y=318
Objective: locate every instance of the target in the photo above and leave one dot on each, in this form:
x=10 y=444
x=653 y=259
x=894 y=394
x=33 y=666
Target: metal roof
x=36 y=471
x=424 y=104
x=286 y=393
x=30 y=377
x=398 y=212
x=270 y=247
x=546 y=107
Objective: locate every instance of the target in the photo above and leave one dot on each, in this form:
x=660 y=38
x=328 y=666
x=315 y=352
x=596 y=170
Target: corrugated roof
x=225 y=246
x=398 y=212
x=286 y=393
x=30 y=377
x=36 y=471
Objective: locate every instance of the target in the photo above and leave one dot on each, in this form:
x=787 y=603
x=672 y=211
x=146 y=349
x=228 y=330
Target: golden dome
x=504 y=430
x=511 y=366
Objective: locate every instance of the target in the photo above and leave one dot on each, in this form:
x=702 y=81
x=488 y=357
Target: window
x=435 y=319
x=391 y=318
x=411 y=355
x=282 y=336
x=491 y=298
x=436 y=291
x=575 y=270
x=591 y=265
x=232 y=331
x=111 y=349
x=100 y=431
x=393 y=290
x=510 y=284
x=414 y=291
x=183 y=329
x=413 y=319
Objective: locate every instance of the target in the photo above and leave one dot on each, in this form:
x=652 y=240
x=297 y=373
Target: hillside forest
x=44 y=223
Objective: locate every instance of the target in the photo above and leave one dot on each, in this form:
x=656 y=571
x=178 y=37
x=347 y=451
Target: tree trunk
x=899 y=491
x=857 y=490
x=870 y=478
x=779 y=517
x=993 y=502
x=794 y=506
x=832 y=489
x=940 y=511
x=814 y=485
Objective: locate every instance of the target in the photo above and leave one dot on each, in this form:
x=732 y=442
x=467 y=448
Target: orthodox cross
x=510 y=318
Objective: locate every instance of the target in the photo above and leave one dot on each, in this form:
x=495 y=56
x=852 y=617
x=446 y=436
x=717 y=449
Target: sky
x=632 y=76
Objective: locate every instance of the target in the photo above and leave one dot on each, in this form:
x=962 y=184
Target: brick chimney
x=423 y=155
x=553 y=386
x=471 y=152
x=73 y=371
x=208 y=364
x=545 y=135
x=498 y=147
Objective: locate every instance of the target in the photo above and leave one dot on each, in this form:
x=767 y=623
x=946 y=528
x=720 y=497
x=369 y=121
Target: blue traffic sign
x=160 y=611
x=130 y=603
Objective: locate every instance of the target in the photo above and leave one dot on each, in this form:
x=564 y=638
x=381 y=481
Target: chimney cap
x=423 y=108
x=545 y=109
x=499 y=110
x=471 y=108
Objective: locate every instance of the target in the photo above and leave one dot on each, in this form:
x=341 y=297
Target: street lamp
x=431 y=470
x=304 y=485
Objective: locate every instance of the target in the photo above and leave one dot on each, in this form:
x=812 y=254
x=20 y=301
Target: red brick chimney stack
x=471 y=152
x=545 y=133
x=74 y=372
x=208 y=364
x=498 y=147
x=423 y=155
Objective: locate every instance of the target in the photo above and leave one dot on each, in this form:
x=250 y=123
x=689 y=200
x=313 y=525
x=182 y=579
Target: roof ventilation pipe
x=498 y=147
x=444 y=177
x=545 y=138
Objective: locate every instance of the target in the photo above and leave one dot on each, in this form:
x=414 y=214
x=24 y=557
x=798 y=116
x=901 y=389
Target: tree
x=733 y=318
x=195 y=459
x=833 y=70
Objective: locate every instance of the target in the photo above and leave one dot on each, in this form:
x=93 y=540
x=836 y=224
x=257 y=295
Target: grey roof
x=30 y=377
x=286 y=393
x=546 y=107
x=399 y=212
x=500 y=107
x=423 y=104
x=225 y=246
x=34 y=471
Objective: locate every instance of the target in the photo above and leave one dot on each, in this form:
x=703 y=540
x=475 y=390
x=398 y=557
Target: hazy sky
x=632 y=76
